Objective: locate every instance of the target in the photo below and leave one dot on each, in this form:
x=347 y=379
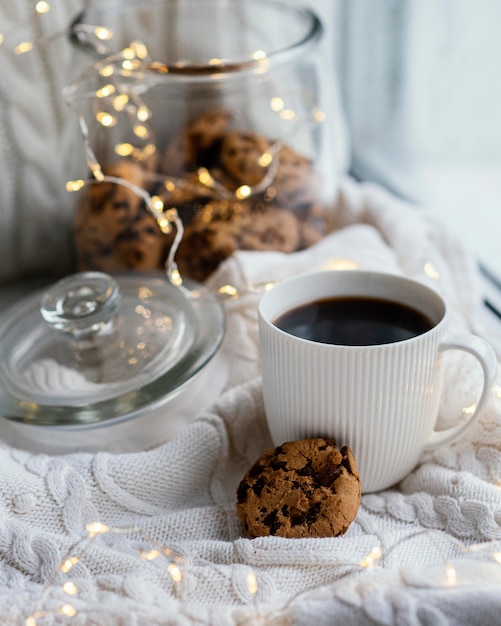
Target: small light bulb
x=68 y=610
x=143 y=113
x=106 y=71
x=265 y=159
x=431 y=271
x=103 y=33
x=68 y=564
x=70 y=588
x=244 y=191
x=259 y=55
x=106 y=91
x=42 y=7
x=277 y=104
x=22 y=48
x=140 y=49
x=204 y=177
x=288 y=115
x=141 y=131
x=175 y=573
x=252 y=583
x=96 y=528
x=124 y=149
x=151 y=555
x=106 y=119
x=74 y=185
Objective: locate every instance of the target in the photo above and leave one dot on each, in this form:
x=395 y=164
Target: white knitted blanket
x=175 y=552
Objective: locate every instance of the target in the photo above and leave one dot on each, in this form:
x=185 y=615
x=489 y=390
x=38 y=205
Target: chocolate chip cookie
x=305 y=488
x=114 y=231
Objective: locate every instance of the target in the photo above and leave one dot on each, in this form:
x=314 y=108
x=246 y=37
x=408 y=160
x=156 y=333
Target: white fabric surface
x=182 y=493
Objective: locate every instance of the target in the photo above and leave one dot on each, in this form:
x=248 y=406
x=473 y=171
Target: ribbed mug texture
x=381 y=400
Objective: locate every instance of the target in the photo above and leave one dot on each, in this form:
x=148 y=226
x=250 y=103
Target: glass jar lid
x=92 y=347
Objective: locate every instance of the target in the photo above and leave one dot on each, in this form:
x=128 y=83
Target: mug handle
x=486 y=356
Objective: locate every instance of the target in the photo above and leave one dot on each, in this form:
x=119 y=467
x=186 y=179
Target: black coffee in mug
x=354 y=321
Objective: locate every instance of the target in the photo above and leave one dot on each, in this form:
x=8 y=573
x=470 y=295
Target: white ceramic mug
x=380 y=400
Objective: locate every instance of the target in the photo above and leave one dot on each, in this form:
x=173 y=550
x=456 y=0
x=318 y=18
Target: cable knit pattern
x=40 y=145
x=181 y=494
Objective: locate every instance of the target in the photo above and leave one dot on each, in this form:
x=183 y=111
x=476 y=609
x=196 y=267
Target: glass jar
x=99 y=362
x=206 y=128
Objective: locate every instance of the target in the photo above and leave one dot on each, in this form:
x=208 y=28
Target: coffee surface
x=354 y=321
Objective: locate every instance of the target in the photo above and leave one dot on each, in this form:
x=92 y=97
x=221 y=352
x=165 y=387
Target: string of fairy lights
x=177 y=570
x=121 y=77
x=117 y=96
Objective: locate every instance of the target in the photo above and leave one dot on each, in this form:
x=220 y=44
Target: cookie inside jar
x=233 y=189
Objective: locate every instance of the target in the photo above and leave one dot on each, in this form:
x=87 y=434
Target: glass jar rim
x=258 y=63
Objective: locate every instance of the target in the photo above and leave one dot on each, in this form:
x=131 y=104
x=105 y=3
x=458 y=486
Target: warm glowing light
x=74 y=185
x=497 y=391
x=106 y=119
x=258 y=55
x=268 y=286
x=451 y=574
x=106 y=71
x=103 y=33
x=244 y=191
x=252 y=583
x=143 y=113
x=169 y=185
x=140 y=49
x=1 y=39
x=124 y=149
x=96 y=528
x=150 y=556
x=97 y=172
x=106 y=91
x=70 y=588
x=265 y=159
x=215 y=61
x=171 y=214
x=175 y=278
x=164 y=224
x=288 y=115
x=25 y=46
x=120 y=102
x=497 y=557
x=129 y=65
x=228 y=290
x=374 y=555
x=431 y=271
x=42 y=7
x=341 y=264
x=204 y=177
x=277 y=104
x=175 y=573
x=141 y=131
x=68 y=564
x=31 y=621
x=68 y=610
x=319 y=116
x=150 y=149
x=158 y=203
x=128 y=53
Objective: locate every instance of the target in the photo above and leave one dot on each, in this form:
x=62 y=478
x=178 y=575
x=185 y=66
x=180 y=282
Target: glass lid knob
x=82 y=304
